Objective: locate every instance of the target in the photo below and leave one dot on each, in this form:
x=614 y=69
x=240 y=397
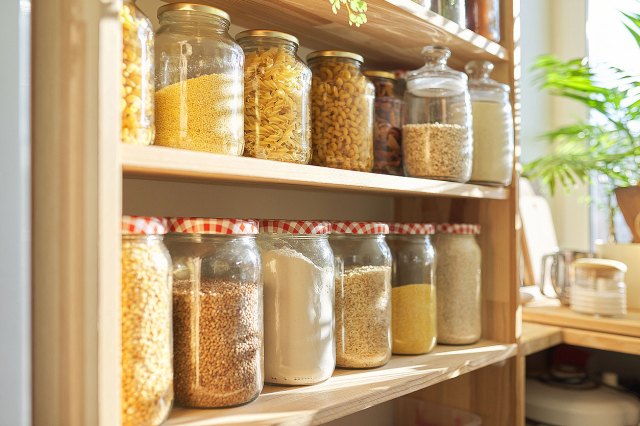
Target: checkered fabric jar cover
x=359 y=228
x=412 y=228
x=299 y=227
x=144 y=225
x=200 y=225
x=458 y=228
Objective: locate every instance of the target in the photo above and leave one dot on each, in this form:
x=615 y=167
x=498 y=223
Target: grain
x=146 y=332
x=439 y=151
x=217 y=342
x=202 y=114
x=413 y=318
x=363 y=317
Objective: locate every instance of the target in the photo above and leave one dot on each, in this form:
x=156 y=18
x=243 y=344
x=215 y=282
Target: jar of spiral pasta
x=277 y=90
x=341 y=111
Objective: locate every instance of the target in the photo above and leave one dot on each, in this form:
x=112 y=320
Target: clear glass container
x=199 y=81
x=453 y=10
x=147 y=372
x=363 y=294
x=277 y=97
x=599 y=287
x=458 y=283
x=298 y=277
x=342 y=111
x=137 y=107
x=492 y=126
x=437 y=139
x=483 y=17
x=387 y=133
x=413 y=291
x=217 y=311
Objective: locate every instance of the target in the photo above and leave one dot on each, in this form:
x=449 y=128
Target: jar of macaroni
x=342 y=111
x=277 y=97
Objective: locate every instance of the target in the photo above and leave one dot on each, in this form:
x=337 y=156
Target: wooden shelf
x=159 y=163
x=538 y=337
x=349 y=391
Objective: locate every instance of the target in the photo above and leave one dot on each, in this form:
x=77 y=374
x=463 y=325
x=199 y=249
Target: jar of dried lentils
x=147 y=375
x=341 y=111
x=217 y=311
x=199 y=80
x=363 y=294
x=277 y=97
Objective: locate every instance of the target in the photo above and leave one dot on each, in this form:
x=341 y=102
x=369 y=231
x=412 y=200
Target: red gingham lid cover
x=359 y=227
x=412 y=228
x=201 y=225
x=273 y=226
x=458 y=228
x=144 y=225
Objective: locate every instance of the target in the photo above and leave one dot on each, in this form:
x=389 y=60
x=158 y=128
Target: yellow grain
x=413 y=318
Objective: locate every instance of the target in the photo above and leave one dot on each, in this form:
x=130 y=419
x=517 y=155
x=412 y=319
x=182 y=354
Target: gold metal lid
x=267 y=33
x=335 y=54
x=380 y=74
x=196 y=8
x=600 y=264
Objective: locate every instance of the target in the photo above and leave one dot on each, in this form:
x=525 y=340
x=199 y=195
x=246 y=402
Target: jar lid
x=458 y=228
x=359 y=227
x=267 y=33
x=380 y=74
x=196 y=7
x=200 y=225
x=144 y=225
x=600 y=264
x=295 y=227
x=335 y=54
x=412 y=228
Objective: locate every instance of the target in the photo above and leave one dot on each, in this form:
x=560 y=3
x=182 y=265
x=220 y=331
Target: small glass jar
x=492 y=126
x=599 y=287
x=217 y=311
x=437 y=140
x=483 y=17
x=458 y=284
x=453 y=10
x=137 y=109
x=341 y=111
x=277 y=97
x=147 y=372
x=413 y=292
x=363 y=294
x=199 y=81
x=298 y=277
x=387 y=134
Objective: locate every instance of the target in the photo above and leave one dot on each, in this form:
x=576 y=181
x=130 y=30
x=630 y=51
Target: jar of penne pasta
x=277 y=86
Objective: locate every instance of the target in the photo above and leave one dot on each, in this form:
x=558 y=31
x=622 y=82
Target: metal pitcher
x=557 y=270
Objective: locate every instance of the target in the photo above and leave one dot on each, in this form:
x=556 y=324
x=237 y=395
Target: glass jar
x=298 y=277
x=413 y=293
x=492 y=126
x=458 y=284
x=137 y=109
x=437 y=139
x=483 y=17
x=387 y=136
x=363 y=294
x=599 y=287
x=147 y=372
x=217 y=311
x=453 y=10
x=341 y=111
x=199 y=81
x=277 y=97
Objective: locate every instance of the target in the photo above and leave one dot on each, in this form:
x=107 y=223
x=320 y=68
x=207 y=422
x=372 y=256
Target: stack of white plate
x=598 y=302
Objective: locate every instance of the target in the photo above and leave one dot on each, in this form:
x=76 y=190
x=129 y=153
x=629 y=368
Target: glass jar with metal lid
x=199 y=80
x=599 y=287
x=217 y=311
x=341 y=111
x=363 y=293
x=277 y=97
x=387 y=136
x=413 y=292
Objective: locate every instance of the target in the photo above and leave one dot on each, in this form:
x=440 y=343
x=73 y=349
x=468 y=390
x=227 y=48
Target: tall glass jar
x=413 y=290
x=492 y=126
x=199 y=80
x=341 y=111
x=147 y=373
x=363 y=294
x=387 y=136
x=137 y=108
x=483 y=17
x=458 y=283
x=437 y=140
x=453 y=10
x=277 y=97
x=217 y=311
x=298 y=276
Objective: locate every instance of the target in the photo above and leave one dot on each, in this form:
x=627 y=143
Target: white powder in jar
x=492 y=143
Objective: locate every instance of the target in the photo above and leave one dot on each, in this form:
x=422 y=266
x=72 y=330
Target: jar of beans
x=277 y=97
x=341 y=111
x=217 y=311
x=387 y=137
x=363 y=294
x=147 y=374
